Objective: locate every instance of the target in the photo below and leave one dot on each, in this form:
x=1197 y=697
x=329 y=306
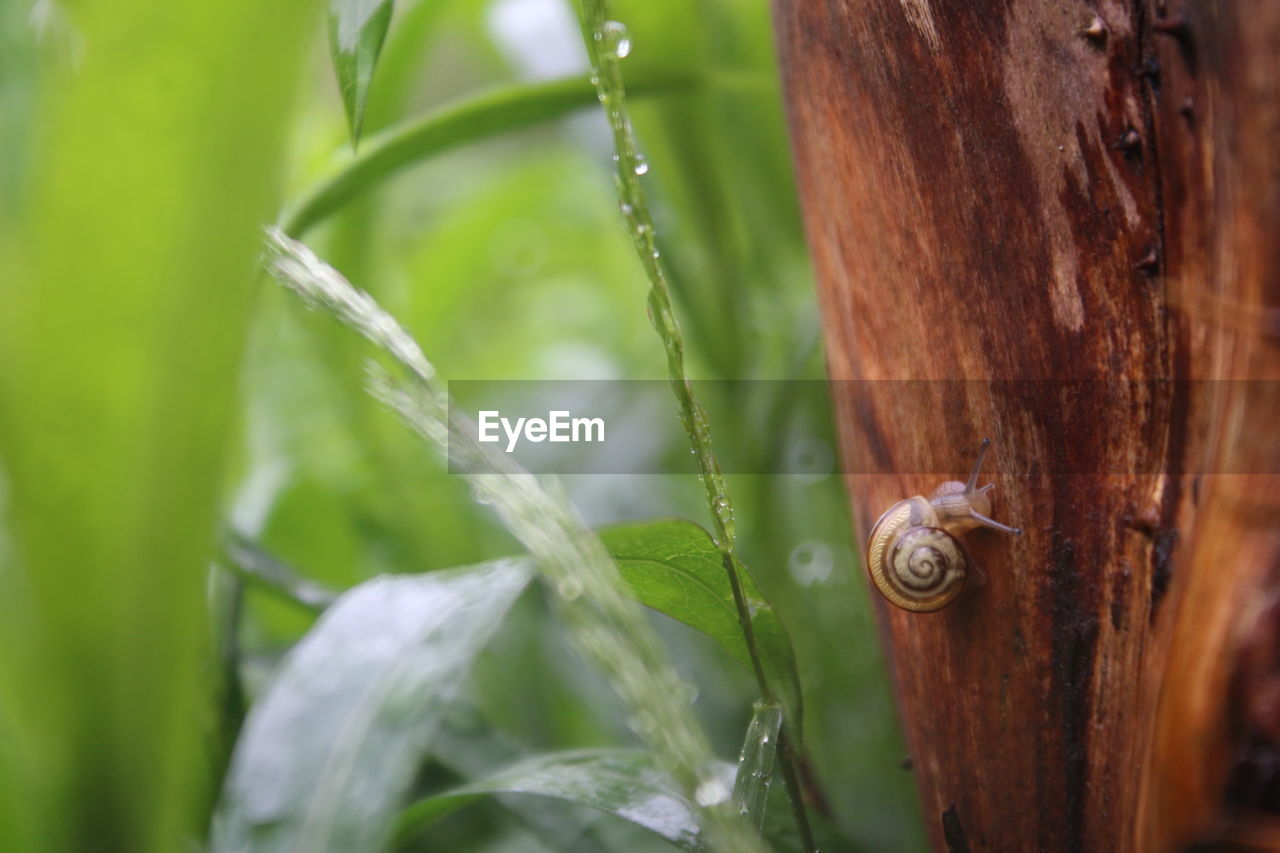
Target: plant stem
x=248 y=561
x=607 y=44
x=788 y=760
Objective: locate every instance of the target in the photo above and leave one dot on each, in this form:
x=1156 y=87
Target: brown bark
x=1037 y=190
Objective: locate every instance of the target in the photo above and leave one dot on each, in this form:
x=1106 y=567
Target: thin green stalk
x=248 y=561
x=227 y=597
x=607 y=44
x=589 y=595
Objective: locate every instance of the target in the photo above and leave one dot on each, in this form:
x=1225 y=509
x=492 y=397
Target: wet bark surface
x=1075 y=210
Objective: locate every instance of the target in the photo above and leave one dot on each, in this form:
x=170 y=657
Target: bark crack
x=1149 y=83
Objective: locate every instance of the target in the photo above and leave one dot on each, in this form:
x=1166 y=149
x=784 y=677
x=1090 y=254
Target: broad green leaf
x=332 y=746
x=623 y=783
x=135 y=174
x=357 y=29
x=673 y=567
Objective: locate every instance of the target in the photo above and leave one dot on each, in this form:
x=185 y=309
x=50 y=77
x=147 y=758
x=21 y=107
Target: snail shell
x=913 y=557
x=914 y=563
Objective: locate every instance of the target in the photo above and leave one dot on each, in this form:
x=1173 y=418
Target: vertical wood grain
x=1083 y=197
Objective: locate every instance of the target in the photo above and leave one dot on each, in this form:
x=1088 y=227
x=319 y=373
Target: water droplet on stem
x=617 y=41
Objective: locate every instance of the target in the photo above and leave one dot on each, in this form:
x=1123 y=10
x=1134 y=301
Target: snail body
x=913 y=555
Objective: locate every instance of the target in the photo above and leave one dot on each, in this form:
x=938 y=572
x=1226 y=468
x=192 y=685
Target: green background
x=154 y=387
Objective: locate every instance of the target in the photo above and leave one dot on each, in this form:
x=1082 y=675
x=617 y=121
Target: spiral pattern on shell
x=926 y=567
x=913 y=557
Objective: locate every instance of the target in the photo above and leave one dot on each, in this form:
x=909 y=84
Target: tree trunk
x=1068 y=222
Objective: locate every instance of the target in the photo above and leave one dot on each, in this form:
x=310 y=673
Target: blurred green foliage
x=143 y=144
x=152 y=155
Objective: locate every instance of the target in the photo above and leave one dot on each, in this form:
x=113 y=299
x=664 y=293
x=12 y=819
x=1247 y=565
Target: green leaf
x=672 y=566
x=755 y=762
x=623 y=783
x=138 y=158
x=357 y=29
x=331 y=748
x=454 y=125
x=470 y=746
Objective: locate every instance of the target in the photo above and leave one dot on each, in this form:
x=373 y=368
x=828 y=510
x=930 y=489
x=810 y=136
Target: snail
x=913 y=555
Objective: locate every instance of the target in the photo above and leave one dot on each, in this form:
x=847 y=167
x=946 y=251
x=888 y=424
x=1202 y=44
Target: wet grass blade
x=608 y=43
x=755 y=763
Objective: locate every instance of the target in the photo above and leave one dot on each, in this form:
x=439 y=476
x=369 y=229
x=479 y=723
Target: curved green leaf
x=357 y=29
x=624 y=783
x=452 y=126
x=672 y=566
x=328 y=752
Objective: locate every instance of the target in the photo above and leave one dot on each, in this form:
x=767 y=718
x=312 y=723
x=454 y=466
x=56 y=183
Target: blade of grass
x=589 y=596
x=607 y=44
x=755 y=763
x=452 y=126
